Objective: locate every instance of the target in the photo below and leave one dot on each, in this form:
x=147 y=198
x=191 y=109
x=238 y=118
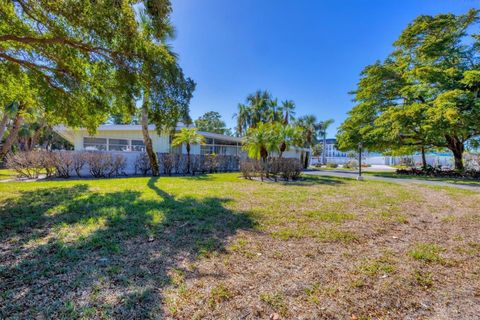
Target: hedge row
x=64 y=164
x=286 y=169
x=173 y=163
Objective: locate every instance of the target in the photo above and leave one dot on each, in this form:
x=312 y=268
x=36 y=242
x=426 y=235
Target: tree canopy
x=212 y=121
x=425 y=94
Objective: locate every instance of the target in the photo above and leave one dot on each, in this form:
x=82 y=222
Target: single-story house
x=128 y=140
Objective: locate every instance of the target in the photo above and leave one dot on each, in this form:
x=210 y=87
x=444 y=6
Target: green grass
x=7 y=174
x=123 y=248
x=426 y=252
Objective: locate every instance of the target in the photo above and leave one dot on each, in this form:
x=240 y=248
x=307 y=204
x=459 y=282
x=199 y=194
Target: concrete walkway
x=353 y=175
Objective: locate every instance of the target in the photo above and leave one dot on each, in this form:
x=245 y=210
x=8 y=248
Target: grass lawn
x=7 y=174
x=220 y=247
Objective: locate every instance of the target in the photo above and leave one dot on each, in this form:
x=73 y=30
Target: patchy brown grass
x=219 y=247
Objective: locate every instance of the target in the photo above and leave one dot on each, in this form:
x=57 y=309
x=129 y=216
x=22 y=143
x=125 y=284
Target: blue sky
x=309 y=51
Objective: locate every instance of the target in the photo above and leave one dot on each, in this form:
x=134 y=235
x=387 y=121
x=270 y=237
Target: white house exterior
x=128 y=140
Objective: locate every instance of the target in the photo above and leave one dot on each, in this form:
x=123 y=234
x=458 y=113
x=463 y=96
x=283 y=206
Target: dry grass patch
x=220 y=247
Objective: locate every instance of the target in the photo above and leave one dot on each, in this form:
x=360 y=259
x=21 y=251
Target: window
x=112 y=144
x=138 y=145
x=118 y=145
x=95 y=144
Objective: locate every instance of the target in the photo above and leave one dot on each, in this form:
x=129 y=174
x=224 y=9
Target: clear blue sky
x=309 y=51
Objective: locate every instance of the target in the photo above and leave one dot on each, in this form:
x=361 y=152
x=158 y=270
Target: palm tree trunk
x=147 y=140
x=324 y=158
x=12 y=137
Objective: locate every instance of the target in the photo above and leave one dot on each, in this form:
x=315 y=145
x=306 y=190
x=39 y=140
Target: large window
x=112 y=144
x=138 y=145
x=95 y=144
x=118 y=145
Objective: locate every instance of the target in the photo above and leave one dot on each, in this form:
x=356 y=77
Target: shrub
x=332 y=165
x=142 y=164
x=119 y=164
x=288 y=169
x=104 y=164
x=48 y=162
x=167 y=161
x=64 y=163
x=250 y=168
x=79 y=161
x=351 y=164
x=27 y=164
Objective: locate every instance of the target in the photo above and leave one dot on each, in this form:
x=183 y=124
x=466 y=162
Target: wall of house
x=160 y=143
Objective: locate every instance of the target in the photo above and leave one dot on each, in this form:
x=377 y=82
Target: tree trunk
x=424 y=159
x=147 y=140
x=324 y=158
x=305 y=165
x=17 y=123
x=188 y=158
x=283 y=147
x=3 y=125
x=456 y=146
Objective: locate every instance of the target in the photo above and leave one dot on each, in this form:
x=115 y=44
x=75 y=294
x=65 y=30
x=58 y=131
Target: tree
x=85 y=60
x=188 y=137
x=309 y=125
x=211 y=122
x=260 y=141
x=261 y=107
x=425 y=94
x=285 y=135
x=288 y=109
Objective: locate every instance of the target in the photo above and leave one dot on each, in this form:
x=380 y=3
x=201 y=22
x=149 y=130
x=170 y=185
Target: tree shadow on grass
x=71 y=252
x=313 y=180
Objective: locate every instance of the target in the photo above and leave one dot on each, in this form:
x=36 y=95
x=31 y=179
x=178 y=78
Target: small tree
x=260 y=141
x=187 y=137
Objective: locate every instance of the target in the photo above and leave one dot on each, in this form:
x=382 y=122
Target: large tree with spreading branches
x=426 y=92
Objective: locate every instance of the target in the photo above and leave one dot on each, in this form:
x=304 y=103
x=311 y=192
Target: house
x=128 y=141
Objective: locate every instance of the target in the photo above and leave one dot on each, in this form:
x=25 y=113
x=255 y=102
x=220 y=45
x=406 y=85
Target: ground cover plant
x=218 y=246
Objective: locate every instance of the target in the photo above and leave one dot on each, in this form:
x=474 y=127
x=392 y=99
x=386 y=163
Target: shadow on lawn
x=71 y=252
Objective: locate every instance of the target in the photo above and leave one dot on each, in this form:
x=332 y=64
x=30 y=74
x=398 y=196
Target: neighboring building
x=332 y=154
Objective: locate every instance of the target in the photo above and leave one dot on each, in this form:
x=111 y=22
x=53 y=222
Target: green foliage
x=188 y=137
x=212 y=122
x=425 y=94
x=261 y=140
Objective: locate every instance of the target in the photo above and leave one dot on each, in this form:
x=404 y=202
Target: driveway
x=353 y=175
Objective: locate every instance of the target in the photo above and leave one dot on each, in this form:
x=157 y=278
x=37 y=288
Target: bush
x=142 y=164
x=167 y=161
x=288 y=169
x=250 y=168
x=64 y=162
x=79 y=161
x=332 y=165
x=104 y=164
x=27 y=164
x=351 y=164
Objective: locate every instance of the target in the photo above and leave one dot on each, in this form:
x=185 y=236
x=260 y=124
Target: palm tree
x=286 y=135
x=323 y=126
x=189 y=137
x=244 y=118
x=288 y=107
x=309 y=126
x=273 y=112
x=258 y=106
x=260 y=141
